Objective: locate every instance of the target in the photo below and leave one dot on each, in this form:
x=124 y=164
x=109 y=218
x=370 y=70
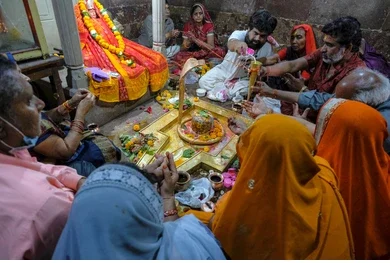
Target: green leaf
x=132 y=156
x=225 y=157
x=150 y=152
x=204 y=113
x=188 y=153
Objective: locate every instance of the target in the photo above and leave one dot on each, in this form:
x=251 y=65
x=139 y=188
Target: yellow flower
x=128 y=145
x=220 y=134
x=150 y=142
x=196 y=99
x=136 y=127
x=89 y=24
x=206 y=149
x=158 y=98
x=170 y=106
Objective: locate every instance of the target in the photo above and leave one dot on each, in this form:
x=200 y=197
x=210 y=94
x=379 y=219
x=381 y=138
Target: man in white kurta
x=225 y=80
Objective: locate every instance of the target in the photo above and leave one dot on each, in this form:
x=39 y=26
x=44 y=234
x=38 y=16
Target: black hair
x=346 y=30
x=195 y=6
x=166 y=2
x=263 y=21
x=9 y=87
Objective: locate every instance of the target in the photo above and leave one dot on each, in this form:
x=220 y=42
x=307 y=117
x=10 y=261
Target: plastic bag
x=199 y=192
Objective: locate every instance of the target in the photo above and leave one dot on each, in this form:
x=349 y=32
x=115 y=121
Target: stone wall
x=229 y=15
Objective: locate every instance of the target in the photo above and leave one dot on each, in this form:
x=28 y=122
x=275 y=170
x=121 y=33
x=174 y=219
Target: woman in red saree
x=199 y=41
x=150 y=67
x=302 y=43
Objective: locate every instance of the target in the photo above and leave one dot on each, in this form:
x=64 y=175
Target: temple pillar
x=70 y=42
x=158 y=11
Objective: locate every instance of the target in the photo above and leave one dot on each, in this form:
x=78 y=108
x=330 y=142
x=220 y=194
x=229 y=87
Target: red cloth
x=319 y=80
x=282 y=54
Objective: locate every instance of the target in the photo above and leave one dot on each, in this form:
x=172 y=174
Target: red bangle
x=171 y=212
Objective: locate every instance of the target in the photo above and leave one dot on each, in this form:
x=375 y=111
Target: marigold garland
x=119 y=51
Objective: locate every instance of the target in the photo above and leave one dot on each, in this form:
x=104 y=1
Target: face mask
x=28 y=142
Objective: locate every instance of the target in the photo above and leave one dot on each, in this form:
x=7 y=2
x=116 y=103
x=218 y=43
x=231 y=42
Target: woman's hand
x=77 y=97
x=85 y=105
x=175 y=33
x=236 y=126
x=167 y=187
x=255 y=109
x=262 y=88
x=155 y=169
x=293 y=83
x=296 y=113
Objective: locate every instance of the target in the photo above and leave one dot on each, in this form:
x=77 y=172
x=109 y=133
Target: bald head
x=364 y=85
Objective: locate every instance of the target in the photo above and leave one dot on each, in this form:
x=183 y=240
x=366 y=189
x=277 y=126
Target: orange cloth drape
x=284 y=204
x=350 y=136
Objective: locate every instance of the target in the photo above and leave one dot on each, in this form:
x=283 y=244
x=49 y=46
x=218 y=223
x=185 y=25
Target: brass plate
x=219 y=156
x=195 y=140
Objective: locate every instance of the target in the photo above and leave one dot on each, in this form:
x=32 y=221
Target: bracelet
x=77 y=126
x=75 y=129
x=171 y=212
x=269 y=111
x=303 y=89
x=67 y=106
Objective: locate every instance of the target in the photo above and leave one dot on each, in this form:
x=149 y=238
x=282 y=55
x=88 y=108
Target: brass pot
x=184 y=181
x=93 y=127
x=216 y=180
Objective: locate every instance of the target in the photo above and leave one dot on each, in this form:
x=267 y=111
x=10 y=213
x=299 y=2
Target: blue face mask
x=28 y=142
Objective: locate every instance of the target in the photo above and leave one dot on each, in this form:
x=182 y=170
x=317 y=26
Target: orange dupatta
x=310 y=45
x=284 y=204
x=350 y=136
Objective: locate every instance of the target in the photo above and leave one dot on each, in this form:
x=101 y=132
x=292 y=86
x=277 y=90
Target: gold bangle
x=67 y=106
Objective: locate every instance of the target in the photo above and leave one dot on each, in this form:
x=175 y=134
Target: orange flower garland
x=119 y=51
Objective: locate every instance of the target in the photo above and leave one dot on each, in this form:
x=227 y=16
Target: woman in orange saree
x=285 y=203
x=145 y=68
x=350 y=136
